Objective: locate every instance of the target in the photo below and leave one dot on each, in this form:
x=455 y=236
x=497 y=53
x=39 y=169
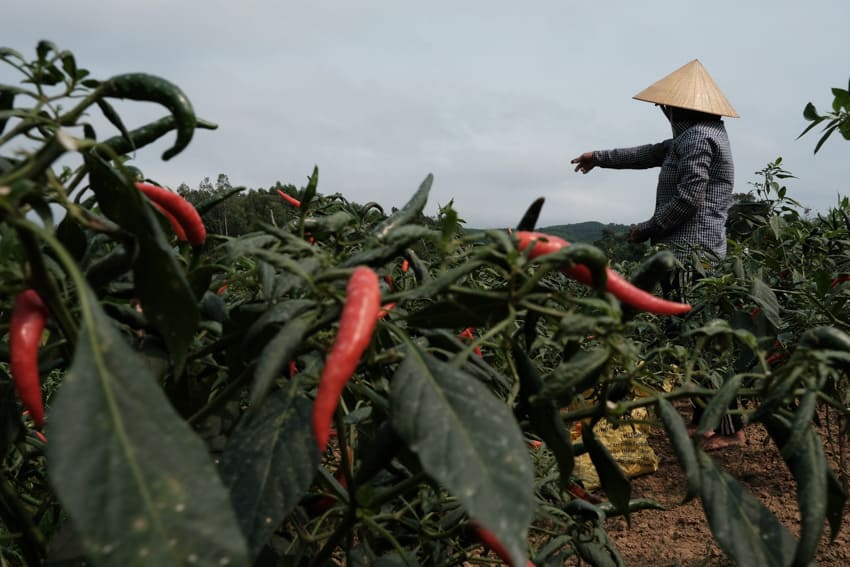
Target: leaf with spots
x=269 y=464
x=744 y=528
x=468 y=441
x=137 y=482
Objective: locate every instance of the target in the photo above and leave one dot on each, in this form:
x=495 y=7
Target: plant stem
x=15 y=514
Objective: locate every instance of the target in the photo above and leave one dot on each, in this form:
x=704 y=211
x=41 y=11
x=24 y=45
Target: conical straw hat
x=691 y=87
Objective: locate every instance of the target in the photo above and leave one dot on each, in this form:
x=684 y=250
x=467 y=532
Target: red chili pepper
x=289 y=199
x=405 y=265
x=28 y=318
x=385 y=310
x=358 y=320
x=491 y=541
x=467 y=334
x=182 y=210
x=617 y=285
x=175 y=224
x=222 y=289
x=840 y=278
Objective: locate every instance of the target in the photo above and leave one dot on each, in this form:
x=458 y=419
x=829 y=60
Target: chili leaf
x=716 y=408
x=408 y=212
x=465 y=311
x=160 y=281
x=682 y=444
x=468 y=441
x=277 y=352
x=807 y=465
x=613 y=480
x=744 y=528
x=269 y=464
x=137 y=482
x=10 y=422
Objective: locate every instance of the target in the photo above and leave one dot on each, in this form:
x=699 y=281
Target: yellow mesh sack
x=628 y=446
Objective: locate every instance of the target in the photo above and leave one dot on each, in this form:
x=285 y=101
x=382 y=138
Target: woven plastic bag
x=628 y=446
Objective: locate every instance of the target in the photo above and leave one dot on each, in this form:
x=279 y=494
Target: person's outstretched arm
x=638 y=157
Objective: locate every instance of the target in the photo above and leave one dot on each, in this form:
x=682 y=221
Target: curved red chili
x=358 y=320
x=491 y=541
x=617 y=285
x=182 y=210
x=175 y=224
x=29 y=315
x=289 y=199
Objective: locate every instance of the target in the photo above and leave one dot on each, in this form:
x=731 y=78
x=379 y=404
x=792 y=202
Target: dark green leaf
x=7 y=101
x=136 y=480
x=469 y=442
x=719 y=404
x=401 y=238
x=545 y=418
x=277 y=353
x=810 y=112
x=408 y=212
x=836 y=498
x=266 y=278
x=682 y=444
x=269 y=464
x=766 y=299
x=529 y=219
x=801 y=424
x=72 y=237
x=206 y=205
x=580 y=372
x=310 y=190
x=810 y=471
x=466 y=311
x=442 y=281
x=160 y=281
x=332 y=223
x=811 y=127
x=69 y=64
x=598 y=550
x=743 y=527
x=841 y=100
x=114 y=118
x=10 y=422
x=613 y=480
x=833 y=124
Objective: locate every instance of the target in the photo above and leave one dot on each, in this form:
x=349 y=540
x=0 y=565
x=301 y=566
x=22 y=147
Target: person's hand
x=637 y=235
x=584 y=162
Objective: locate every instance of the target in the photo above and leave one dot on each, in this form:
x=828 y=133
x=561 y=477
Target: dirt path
x=679 y=535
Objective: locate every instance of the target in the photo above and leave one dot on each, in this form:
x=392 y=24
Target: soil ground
x=679 y=536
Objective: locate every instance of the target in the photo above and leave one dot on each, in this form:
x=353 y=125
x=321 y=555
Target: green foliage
x=837 y=119
x=182 y=378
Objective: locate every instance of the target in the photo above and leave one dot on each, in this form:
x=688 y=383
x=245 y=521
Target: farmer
x=694 y=187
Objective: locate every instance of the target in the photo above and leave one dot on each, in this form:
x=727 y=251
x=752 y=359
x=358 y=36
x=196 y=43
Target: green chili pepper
x=150 y=88
x=529 y=219
x=147 y=134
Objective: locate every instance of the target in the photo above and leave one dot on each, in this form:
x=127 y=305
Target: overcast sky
x=492 y=97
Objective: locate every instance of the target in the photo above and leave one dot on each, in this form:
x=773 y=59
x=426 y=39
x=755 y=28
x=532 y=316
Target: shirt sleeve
x=692 y=175
x=637 y=157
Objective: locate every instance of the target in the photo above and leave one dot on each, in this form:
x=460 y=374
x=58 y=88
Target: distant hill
x=587 y=232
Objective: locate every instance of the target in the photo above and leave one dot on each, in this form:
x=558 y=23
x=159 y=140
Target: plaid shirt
x=694 y=186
